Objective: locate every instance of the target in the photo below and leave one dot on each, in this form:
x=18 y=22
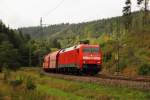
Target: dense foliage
x=13 y=48
x=144 y=69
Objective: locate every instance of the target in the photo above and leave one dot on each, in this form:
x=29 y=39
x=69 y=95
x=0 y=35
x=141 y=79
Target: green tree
x=8 y=55
x=56 y=44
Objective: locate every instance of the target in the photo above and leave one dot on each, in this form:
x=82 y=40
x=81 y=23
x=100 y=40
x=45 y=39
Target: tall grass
x=49 y=88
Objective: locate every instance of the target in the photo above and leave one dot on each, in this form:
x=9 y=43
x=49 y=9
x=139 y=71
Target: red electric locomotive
x=83 y=58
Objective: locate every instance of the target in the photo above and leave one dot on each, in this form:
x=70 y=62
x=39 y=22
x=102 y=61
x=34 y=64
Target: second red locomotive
x=83 y=58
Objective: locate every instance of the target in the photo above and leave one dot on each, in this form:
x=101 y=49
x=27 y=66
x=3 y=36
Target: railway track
x=121 y=77
x=119 y=81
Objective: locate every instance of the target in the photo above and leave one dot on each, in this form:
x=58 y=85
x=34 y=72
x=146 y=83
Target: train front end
x=91 y=59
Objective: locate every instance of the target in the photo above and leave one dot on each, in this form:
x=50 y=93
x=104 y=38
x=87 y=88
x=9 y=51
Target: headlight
x=98 y=62
x=84 y=62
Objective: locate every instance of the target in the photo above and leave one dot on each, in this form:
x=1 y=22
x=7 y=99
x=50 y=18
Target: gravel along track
x=136 y=84
x=121 y=77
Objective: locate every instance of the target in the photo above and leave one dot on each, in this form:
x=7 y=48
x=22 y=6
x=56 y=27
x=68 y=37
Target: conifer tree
x=144 y=4
x=127 y=14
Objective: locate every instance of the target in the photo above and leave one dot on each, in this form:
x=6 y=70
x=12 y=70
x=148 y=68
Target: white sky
x=23 y=13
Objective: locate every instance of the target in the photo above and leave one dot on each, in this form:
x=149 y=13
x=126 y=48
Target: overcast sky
x=23 y=13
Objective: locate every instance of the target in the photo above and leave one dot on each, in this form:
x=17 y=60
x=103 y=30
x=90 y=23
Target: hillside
x=65 y=30
x=134 y=56
x=92 y=29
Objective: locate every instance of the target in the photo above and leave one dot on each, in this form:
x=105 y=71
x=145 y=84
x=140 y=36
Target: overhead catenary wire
x=49 y=12
x=53 y=9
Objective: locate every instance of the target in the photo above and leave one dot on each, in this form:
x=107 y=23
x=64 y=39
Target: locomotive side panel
x=80 y=58
x=68 y=59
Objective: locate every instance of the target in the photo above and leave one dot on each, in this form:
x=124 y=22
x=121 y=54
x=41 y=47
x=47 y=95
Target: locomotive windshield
x=90 y=50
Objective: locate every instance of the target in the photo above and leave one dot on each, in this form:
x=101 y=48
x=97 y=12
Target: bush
x=107 y=56
x=30 y=85
x=123 y=63
x=6 y=72
x=15 y=83
x=144 y=69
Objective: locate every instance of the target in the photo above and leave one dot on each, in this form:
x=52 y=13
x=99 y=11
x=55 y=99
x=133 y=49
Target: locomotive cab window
x=95 y=50
x=91 y=50
x=86 y=50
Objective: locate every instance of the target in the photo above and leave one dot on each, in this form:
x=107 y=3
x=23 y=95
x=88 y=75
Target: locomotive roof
x=70 y=48
x=75 y=47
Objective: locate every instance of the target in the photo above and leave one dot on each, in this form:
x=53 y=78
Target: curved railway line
x=140 y=82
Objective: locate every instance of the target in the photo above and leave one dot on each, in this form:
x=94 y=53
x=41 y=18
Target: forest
x=124 y=41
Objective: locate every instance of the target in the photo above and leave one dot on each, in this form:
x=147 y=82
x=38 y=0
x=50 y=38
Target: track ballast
x=119 y=81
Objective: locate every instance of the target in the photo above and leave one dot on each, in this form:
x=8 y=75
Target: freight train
x=82 y=58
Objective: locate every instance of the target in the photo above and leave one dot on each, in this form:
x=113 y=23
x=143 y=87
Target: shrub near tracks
x=52 y=88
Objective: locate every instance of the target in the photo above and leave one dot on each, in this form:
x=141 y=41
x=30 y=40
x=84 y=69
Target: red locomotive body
x=91 y=58
x=81 y=58
x=69 y=59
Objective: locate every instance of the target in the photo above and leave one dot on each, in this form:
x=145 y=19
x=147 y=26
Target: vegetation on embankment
x=29 y=84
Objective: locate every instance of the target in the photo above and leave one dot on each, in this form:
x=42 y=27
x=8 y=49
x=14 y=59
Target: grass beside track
x=50 y=88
